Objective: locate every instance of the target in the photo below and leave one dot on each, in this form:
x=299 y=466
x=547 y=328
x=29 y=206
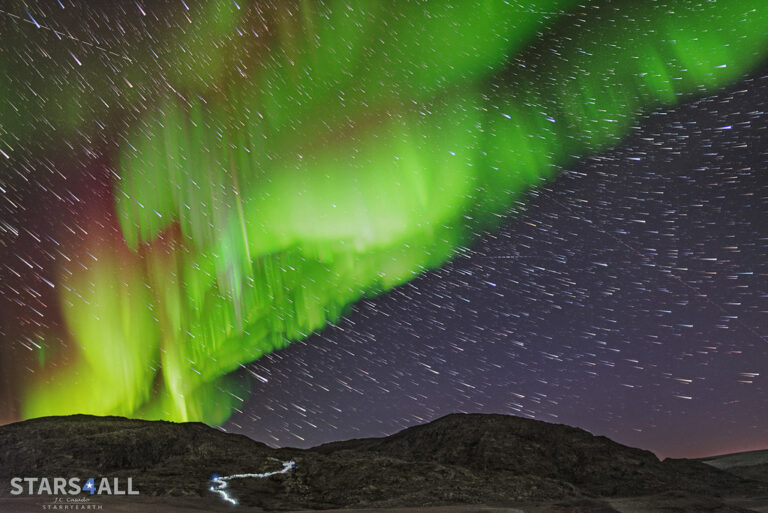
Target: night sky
x=628 y=296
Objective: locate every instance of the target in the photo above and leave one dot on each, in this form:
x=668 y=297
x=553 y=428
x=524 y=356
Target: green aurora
x=368 y=145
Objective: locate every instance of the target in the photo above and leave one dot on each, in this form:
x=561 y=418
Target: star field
x=627 y=296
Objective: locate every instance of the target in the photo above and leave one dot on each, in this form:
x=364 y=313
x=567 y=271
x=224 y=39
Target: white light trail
x=220 y=482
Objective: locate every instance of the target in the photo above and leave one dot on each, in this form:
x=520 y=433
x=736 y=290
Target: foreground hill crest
x=457 y=459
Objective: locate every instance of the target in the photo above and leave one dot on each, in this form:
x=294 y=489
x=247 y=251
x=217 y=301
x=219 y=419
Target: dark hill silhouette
x=502 y=443
x=749 y=465
x=458 y=459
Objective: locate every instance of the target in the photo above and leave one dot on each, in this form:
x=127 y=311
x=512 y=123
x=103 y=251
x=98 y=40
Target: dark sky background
x=628 y=297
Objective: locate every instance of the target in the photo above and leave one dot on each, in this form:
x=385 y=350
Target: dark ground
x=459 y=463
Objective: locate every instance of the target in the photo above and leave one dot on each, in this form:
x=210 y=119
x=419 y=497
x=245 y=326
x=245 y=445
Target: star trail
x=308 y=221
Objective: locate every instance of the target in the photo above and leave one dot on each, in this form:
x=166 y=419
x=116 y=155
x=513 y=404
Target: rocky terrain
x=475 y=462
x=749 y=465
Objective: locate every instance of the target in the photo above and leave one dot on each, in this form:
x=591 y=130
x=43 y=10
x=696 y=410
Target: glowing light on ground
x=221 y=483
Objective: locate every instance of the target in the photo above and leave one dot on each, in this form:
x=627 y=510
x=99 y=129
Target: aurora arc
x=369 y=147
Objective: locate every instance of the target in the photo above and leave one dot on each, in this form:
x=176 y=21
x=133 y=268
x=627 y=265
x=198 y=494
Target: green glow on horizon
x=338 y=171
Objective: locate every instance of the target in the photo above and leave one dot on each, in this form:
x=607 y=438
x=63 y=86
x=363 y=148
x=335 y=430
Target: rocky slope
x=501 y=443
x=749 y=465
x=458 y=459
